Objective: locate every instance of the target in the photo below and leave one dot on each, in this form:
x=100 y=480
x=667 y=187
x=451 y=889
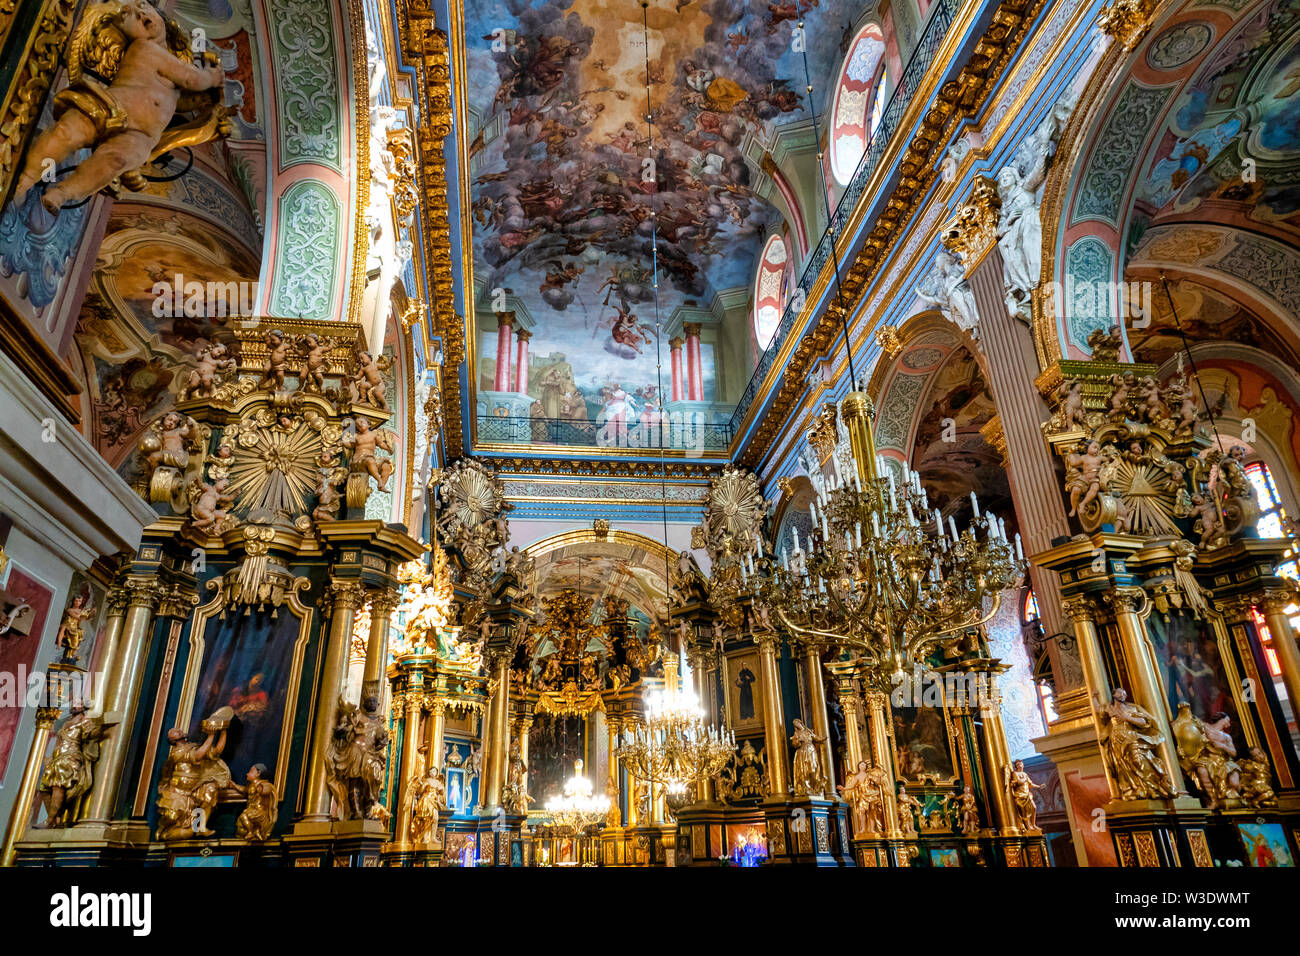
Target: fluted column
x=694 y=374
x=124 y=675
x=521 y=361
x=851 y=704
x=505 y=324
x=612 y=775
x=525 y=725
x=382 y=605
x=1008 y=347
x=1145 y=686
x=105 y=652
x=675 y=345
x=821 y=722
x=345 y=598
x=409 y=766
x=778 y=762
x=1273 y=607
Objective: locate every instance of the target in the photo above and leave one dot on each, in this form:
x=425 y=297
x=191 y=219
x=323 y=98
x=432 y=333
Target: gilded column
x=434 y=730
x=499 y=739
x=821 y=723
x=382 y=605
x=22 y=808
x=612 y=775
x=409 y=766
x=778 y=762
x=106 y=650
x=1145 y=689
x=345 y=598
x=701 y=669
x=879 y=731
x=851 y=704
x=122 y=683
x=1082 y=612
x=1273 y=608
x=525 y=725
x=993 y=748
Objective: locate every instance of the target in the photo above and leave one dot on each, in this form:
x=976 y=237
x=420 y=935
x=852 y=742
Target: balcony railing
x=918 y=65
x=690 y=432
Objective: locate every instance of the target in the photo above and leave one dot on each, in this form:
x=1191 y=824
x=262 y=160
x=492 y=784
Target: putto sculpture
x=130 y=71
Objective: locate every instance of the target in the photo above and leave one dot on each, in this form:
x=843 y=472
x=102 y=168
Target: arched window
x=770 y=288
x=859 y=102
x=1272 y=523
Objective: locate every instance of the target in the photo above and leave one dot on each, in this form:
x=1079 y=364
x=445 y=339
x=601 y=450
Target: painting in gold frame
x=744 y=691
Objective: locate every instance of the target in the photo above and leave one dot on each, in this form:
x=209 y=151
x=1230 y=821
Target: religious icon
x=744 y=690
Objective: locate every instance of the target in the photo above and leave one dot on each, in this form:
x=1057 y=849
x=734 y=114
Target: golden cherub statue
x=71 y=629
x=130 y=71
x=258 y=816
x=365 y=443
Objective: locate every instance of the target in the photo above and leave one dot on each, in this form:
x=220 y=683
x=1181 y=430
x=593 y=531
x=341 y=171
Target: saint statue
x=426 y=802
x=1020 y=789
x=257 y=819
x=68 y=772
x=1130 y=741
x=193 y=776
x=866 y=790
x=356 y=760
x=809 y=780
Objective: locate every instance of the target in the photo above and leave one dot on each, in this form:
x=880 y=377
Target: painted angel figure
x=148 y=75
x=365 y=445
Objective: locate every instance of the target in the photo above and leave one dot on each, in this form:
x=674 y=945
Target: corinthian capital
x=345 y=595
x=1127 y=600
x=973 y=231
x=1080 y=608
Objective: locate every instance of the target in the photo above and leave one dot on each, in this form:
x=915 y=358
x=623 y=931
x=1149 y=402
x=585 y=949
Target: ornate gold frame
x=189 y=686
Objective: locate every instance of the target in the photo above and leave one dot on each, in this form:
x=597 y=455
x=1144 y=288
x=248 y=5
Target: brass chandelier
x=675 y=745
x=577 y=807
x=882 y=574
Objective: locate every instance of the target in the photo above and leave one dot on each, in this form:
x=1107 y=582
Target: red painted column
x=505 y=323
x=676 y=346
x=521 y=364
x=694 y=375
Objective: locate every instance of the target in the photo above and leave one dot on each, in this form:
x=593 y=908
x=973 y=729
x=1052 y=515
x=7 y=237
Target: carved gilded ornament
x=890 y=342
x=973 y=231
x=1127 y=21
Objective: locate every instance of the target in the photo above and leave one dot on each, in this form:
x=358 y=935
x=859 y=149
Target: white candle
x=1019 y=552
x=858 y=529
x=785 y=559
x=952 y=525
x=812 y=510
x=875 y=525
x=826 y=534
x=975 y=504
x=760 y=544
x=796 y=539
x=938 y=523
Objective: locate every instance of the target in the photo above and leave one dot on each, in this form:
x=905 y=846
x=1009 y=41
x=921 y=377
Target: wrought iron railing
x=685 y=432
x=909 y=82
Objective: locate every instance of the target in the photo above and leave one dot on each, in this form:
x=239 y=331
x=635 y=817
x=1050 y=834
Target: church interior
x=649 y=433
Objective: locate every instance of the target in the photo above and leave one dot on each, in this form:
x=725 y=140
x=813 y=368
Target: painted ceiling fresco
x=1213 y=162
x=562 y=197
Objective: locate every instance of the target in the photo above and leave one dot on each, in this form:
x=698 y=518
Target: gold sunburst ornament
x=278 y=457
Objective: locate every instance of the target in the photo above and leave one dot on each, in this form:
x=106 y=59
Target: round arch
x=858 y=100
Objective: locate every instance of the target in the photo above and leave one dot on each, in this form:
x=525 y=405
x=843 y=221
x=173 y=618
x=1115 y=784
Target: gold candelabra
x=675 y=745
x=882 y=573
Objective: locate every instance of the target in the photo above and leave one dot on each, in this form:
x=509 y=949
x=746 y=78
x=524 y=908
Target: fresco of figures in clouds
x=562 y=192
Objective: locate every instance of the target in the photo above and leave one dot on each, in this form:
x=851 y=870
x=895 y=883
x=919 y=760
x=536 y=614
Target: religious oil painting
x=248 y=666
x=921 y=745
x=744 y=691
x=945 y=856
x=1193 y=670
x=1265 y=844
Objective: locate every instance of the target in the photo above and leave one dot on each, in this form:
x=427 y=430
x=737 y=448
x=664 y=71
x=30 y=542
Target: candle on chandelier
x=952 y=525
x=858 y=530
x=812 y=511
x=796 y=540
x=938 y=523
x=875 y=525
x=1020 y=554
x=975 y=504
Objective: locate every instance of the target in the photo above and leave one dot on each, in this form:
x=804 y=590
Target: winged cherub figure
x=149 y=69
x=365 y=445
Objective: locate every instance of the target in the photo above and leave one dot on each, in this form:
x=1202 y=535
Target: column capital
x=768 y=643
x=178 y=601
x=1276 y=600
x=1126 y=600
x=383 y=602
x=973 y=231
x=345 y=595
x=144 y=592
x=505 y=318
x=523 y=335
x=676 y=342
x=1081 y=607
x=692 y=329
x=117 y=600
